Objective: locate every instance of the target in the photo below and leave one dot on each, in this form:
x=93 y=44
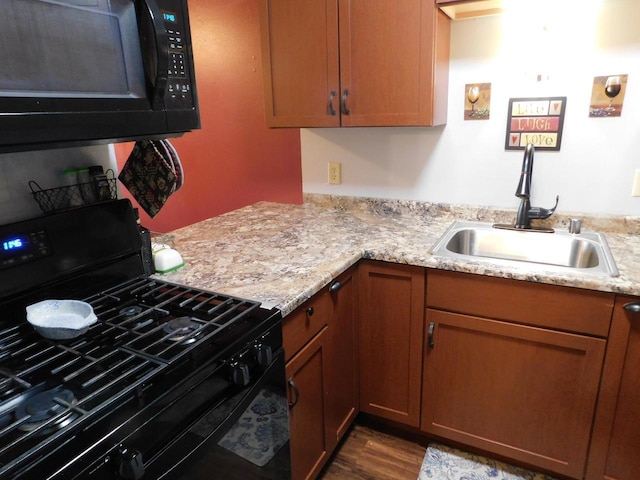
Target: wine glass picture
x=478 y=96
x=612 y=88
x=607 y=95
x=473 y=94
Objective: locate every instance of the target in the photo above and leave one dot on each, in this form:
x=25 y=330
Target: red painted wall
x=234 y=160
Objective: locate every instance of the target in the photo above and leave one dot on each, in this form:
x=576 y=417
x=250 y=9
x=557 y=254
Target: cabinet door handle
x=432 y=326
x=632 y=307
x=345 y=94
x=335 y=286
x=332 y=111
x=310 y=311
x=294 y=387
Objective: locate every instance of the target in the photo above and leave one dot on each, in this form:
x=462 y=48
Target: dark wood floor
x=372 y=454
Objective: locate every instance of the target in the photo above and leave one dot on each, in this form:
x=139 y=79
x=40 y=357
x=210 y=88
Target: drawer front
x=304 y=323
x=529 y=303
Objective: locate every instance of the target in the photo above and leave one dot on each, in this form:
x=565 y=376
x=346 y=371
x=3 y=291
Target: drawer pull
x=432 y=326
x=294 y=387
x=335 y=286
x=632 y=307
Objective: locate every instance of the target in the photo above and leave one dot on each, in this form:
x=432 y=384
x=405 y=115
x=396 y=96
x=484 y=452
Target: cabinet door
x=342 y=372
x=300 y=62
x=615 y=448
x=525 y=393
x=394 y=58
x=306 y=380
x=390 y=326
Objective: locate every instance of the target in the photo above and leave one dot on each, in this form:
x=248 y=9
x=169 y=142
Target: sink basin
x=561 y=251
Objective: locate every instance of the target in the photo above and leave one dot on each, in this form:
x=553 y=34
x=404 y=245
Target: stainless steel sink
x=562 y=251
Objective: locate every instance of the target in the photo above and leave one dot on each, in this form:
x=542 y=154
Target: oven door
x=240 y=435
x=244 y=438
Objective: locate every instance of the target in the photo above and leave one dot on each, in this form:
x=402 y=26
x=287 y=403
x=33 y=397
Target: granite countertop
x=283 y=254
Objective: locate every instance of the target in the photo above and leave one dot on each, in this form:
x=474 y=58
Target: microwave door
x=155 y=44
x=78 y=72
x=70 y=50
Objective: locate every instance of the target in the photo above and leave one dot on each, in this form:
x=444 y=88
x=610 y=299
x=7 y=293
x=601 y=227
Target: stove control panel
x=20 y=248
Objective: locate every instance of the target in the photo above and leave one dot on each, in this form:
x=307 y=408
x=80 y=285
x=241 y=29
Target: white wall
x=465 y=162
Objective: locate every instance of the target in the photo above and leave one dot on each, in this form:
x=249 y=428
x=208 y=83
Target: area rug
x=446 y=463
x=261 y=431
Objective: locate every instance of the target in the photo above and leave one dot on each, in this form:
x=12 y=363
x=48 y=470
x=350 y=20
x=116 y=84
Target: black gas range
x=161 y=386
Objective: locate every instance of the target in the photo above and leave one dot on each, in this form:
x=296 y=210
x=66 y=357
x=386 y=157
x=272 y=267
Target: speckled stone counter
x=283 y=254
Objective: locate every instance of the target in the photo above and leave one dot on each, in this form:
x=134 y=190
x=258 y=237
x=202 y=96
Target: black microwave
x=80 y=72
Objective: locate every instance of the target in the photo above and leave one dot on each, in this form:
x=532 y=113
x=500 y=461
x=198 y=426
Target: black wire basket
x=52 y=200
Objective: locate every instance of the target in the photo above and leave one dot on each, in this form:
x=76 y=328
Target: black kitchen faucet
x=526 y=212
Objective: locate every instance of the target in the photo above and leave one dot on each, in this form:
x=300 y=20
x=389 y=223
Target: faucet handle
x=575 y=224
x=542 y=213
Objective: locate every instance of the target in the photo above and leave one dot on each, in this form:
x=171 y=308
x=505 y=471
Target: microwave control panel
x=179 y=86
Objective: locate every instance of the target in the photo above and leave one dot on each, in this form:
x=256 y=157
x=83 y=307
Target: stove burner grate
x=41 y=408
x=131 y=310
x=182 y=329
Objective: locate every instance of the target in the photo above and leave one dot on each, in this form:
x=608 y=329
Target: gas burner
x=41 y=407
x=180 y=328
x=131 y=311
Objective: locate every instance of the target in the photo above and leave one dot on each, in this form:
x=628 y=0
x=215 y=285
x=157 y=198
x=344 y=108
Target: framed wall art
x=607 y=96
x=535 y=120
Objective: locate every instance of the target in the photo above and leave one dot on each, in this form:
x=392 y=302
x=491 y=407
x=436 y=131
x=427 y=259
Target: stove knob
x=263 y=355
x=130 y=464
x=240 y=374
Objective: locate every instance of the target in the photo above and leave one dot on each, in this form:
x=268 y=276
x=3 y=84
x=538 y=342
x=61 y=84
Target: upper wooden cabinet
x=330 y=63
x=300 y=62
x=616 y=435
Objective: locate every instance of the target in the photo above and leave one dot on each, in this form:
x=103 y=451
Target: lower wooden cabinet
x=342 y=372
x=615 y=448
x=390 y=327
x=510 y=368
x=518 y=391
x=306 y=374
x=320 y=346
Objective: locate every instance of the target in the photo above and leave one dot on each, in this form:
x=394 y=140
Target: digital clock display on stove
x=12 y=244
x=19 y=248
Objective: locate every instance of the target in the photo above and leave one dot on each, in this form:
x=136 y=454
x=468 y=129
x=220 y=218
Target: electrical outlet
x=335 y=177
x=635 y=191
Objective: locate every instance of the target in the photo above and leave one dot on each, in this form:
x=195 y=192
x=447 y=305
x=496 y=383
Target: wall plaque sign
x=535 y=120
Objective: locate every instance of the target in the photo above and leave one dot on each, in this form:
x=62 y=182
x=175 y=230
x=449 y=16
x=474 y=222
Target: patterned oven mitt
x=149 y=177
